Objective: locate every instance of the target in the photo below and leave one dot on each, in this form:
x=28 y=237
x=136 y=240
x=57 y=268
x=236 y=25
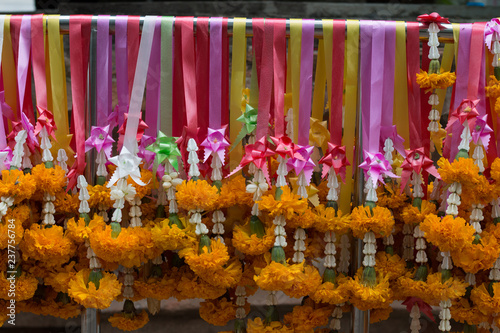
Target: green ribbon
x=166 y=75
x=249 y=120
x=165 y=148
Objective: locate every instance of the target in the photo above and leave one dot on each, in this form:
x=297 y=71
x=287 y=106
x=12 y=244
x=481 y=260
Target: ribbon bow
x=284 y=146
x=482 y=131
x=140 y=129
x=427 y=19
x=25 y=124
x=46 y=120
x=466 y=111
x=249 y=120
x=127 y=164
x=165 y=148
x=5 y=158
x=6 y=109
x=257 y=154
x=390 y=132
x=100 y=140
x=318 y=133
x=335 y=158
x=302 y=162
x=492 y=29
x=143 y=153
x=113 y=118
x=423 y=307
x=376 y=167
x=416 y=160
x=215 y=143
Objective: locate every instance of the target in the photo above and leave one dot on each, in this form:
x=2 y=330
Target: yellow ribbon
x=58 y=85
x=456 y=35
x=295 y=45
x=319 y=134
x=8 y=68
x=312 y=191
x=351 y=97
x=318 y=104
x=238 y=75
x=328 y=41
x=400 y=113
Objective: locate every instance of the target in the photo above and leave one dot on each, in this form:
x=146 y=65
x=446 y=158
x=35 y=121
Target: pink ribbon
x=334 y=158
x=302 y=162
x=147 y=155
x=153 y=82
x=376 y=167
x=23 y=63
x=215 y=143
x=306 y=69
x=416 y=160
x=121 y=64
x=257 y=154
x=284 y=146
x=102 y=69
x=389 y=68
x=215 y=80
x=46 y=119
x=366 y=32
x=491 y=28
x=482 y=131
x=390 y=132
x=100 y=140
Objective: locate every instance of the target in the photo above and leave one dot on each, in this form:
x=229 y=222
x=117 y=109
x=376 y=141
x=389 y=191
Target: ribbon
x=58 y=88
x=482 y=131
x=492 y=27
x=427 y=19
x=153 y=82
x=400 y=110
x=476 y=63
x=24 y=124
x=279 y=67
x=23 y=62
x=127 y=163
x=295 y=52
x=366 y=39
x=238 y=76
x=166 y=75
x=121 y=61
x=215 y=143
x=46 y=120
x=178 y=105
x=390 y=132
x=38 y=54
x=225 y=73
x=351 y=102
x=318 y=102
x=416 y=160
x=102 y=69
x=257 y=154
x=165 y=148
x=337 y=79
x=257 y=45
x=146 y=155
x=413 y=67
x=466 y=111
x=302 y=162
x=202 y=73
x=284 y=146
x=388 y=82
x=3 y=139
x=306 y=67
x=376 y=168
x=318 y=133
x=215 y=81
x=423 y=307
x=335 y=157
x=134 y=114
x=265 y=81
x=133 y=40
x=9 y=70
x=100 y=140
x=249 y=120
x=328 y=48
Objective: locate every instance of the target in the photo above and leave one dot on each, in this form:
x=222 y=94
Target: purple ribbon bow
x=377 y=166
x=100 y=139
x=482 y=131
x=215 y=143
x=302 y=161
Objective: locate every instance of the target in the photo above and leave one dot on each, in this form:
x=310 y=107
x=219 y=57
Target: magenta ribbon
x=121 y=64
x=366 y=32
x=24 y=61
x=306 y=69
x=482 y=131
x=302 y=162
x=215 y=143
x=215 y=79
x=153 y=82
x=102 y=69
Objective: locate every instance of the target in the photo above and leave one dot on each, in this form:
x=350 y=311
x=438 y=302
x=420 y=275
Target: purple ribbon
x=389 y=65
x=302 y=161
x=100 y=140
x=153 y=82
x=215 y=143
x=23 y=59
x=482 y=131
x=306 y=69
x=102 y=69
x=366 y=31
x=215 y=79
x=121 y=63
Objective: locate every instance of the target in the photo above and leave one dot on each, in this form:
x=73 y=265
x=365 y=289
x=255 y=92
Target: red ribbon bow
x=335 y=158
x=416 y=160
x=284 y=146
x=427 y=19
x=46 y=120
x=465 y=111
x=257 y=154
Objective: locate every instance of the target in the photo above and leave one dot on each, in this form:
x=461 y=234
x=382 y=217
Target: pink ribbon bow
x=215 y=143
x=335 y=158
x=491 y=29
x=284 y=146
x=465 y=111
x=423 y=307
x=6 y=109
x=46 y=120
x=427 y=19
x=100 y=139
x=482 y=131
x=302 y=161
x=5 y=158
x=377 y=167
x=416 y=160
x=256 y=154
x=24 y=124
x=146 y=155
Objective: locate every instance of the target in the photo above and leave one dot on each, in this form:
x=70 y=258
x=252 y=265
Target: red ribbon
x=178 y=106
x=423 y=307
x=413 y=67
x=335 y=158
x=337 y=82
x=416 y=160
x=427 y=19
x=279 y=76
x=202 y=73
x=133 y=41
x=257 y=154
x=257 y=43
x=266 y=81
x=38 y=54
x=79 y=39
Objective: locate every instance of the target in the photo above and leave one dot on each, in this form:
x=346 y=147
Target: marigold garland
x=378 y=315
x=414 y=215
x=79 y=232
x=332 y=293
x=258 y=326
x=473 y=258
x=85 y=292
x=192 y=195
x=368 y=298
x=99 y=194
x=327 y=219
x=378 y=220
x=448 y=233
x=49 y=180
x=305 y=318
x=17 y=185
x=129 y=322
x=288 y=205
x=170 y=238
x=219 y=311
x=463 y=171
x=276 y=276
x=252 y=244
x=25 y=286
x=435 y=80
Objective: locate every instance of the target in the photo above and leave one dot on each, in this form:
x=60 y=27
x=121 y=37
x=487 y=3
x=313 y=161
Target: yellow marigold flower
x=205 y=262
x=251 y=244
x=48 y=245
x=495 y=169
x=473 y=258
x=224 y=277
x=219 y=311
x=6 y=230
x=49 y=306
x=146 y=177
x=305 y=283
x=170 y=238
x=59 y=281
x=379 y=221
x=449 y=233
x=328 y=220
x=132 y=247
x=389 y=196
x=368 y=298
x=435 y=80
x=85 y=293
x=192 y=286
x=390 y=266
x=481 y=193
x=276 y=276
x=154 y=287
x=16 y=184
x=79 y=232
x=488 y=304
x=197 y=194
x=305 y=318
x=378 y=315
x=289 y=205
x=493 y=87
x=413 y=215
x=462 y=311
x=25 y=288
x=258 y=326
x=233 y=192
x=50 y=180
x=20 y=214
x=99 y=194
x=129 y=322
x=463 y=171
x=66 y=203
x=332 y=294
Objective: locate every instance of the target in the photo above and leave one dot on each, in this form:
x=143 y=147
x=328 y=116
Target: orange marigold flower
x=85 y=292
x=258 y=326
x=390 y=266
x=199 y=194
x=219 y=311
x=233 y=192
x=378 y=315
x=389 y=196
x=305 y=283
x=305 y=318
x=79 y=232
x=331 y=293
x=435 y=80
x=302 y=220
x=207 y=261
x=50 y=180
x=493 y=87
x=6 y=231
x=252 y=244
x=66 y=203
x=463 y=171
x=289 y=204
x=129 y=321
x=146 y=177
x=495 y=169
x=25 y=288
x=17 y=185
x=413 y=215
x=448 y=233
x=170 y=238
x=59 y=281
x=462 y=311
x=155 y=287
x=190 y=285
x=378 y=220
x=329 y=220
x=473 y=258
x=99 y=194
x=488 y=304
x=276 y=276
x=368 y=298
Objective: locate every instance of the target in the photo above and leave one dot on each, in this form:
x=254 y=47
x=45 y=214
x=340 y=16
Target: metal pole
x=90 y=321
